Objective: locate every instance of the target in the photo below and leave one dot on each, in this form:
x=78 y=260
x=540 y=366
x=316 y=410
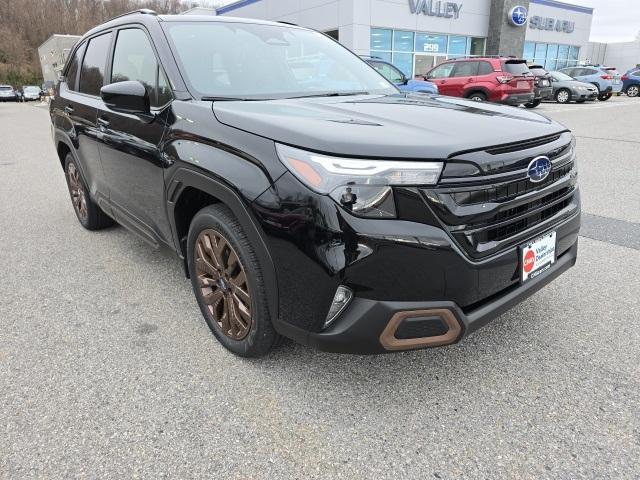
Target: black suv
x=307 y=196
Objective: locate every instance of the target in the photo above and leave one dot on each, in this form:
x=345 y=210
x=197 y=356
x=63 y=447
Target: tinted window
x=95 y=60
x=389 y=72
x=442 y=71
x=588 y=71
x=484 y=68
x=466 y=69
x=516 y=68
x=636 y=74
x=539 y=72
x=72 y=71
x=134 y=59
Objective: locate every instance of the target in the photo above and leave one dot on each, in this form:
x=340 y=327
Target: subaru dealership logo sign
x=435 y=8
x=518 y=15
x=539 y=169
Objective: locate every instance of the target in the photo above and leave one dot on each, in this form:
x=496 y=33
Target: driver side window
x=442 y=71
x=388 y=72
x=134 y=59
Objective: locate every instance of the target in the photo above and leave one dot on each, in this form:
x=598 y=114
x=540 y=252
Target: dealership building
x=415 y=35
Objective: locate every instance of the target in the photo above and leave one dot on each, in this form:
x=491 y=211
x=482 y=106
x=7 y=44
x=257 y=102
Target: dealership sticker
x=538 y=256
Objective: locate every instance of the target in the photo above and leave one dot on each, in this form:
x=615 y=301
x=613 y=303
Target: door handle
x=103 y=121
x=68 y=109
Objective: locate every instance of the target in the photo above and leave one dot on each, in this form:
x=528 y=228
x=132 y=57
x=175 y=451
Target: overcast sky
x=613 y=20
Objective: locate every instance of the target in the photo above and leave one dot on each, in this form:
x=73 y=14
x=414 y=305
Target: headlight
x=361 y=186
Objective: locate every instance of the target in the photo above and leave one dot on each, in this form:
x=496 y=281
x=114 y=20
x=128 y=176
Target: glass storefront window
x=574 y=53
x=541 y=51
x=563 y=52
x=529 y=50
x=402 y=41
x=404 y=61
x=427 y=43
x=380 y=39
x=400 y=47
x=477 y=46
x=458 y=46
x=551 y=56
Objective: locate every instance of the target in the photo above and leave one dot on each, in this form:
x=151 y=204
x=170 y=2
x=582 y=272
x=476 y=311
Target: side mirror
x=127 y=97
x=405 y=80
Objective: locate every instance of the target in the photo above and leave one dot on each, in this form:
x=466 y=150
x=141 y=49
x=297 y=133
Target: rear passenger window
x=134 y=59
x=466 y=69
x=93 y=66
x=72 y=72
x=443 y=71
x=484 y=68
x=636 y=74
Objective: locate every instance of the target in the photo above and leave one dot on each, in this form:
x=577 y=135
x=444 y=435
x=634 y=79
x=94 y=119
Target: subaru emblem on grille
x=539 y=169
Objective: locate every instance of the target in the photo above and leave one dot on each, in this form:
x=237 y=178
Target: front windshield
x=561 y=77
x=255 y=61
x=32 y=89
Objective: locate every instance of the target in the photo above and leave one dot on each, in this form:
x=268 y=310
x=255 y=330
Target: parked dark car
x=631 y=82
x=8 y=94
x=567 y=89
x=327 y=207
x=541 y=85
x=500 y=80
x=399 y=79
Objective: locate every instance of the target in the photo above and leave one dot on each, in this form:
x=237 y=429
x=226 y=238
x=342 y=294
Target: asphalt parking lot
x=107 y=369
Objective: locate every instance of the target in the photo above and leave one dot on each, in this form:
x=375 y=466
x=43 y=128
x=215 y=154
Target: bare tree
x=25 y=26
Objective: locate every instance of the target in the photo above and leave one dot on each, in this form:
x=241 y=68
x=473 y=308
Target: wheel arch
x=471 y=90
x=188 y=193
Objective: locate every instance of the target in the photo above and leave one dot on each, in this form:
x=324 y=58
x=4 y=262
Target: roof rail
x=141 y=11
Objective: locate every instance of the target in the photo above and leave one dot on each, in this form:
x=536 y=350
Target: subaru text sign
x=547 y=23
x=518 y=16
x=435 y=8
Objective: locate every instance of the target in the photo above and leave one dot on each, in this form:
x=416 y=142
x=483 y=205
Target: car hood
x=396 y=126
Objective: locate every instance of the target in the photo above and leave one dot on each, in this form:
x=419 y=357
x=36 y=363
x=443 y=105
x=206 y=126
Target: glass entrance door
x=423 y=63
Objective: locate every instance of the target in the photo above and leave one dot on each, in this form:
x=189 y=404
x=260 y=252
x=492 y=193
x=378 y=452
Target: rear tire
x=605 y=96
x=533 y=104
x=563 y=96
x=633 y=90
x=477 y=97
x=228 y=283
x=89 y=214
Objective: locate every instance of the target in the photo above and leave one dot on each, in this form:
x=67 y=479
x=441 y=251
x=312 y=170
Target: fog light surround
x=341 y=299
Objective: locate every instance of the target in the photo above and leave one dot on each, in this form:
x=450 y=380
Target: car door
x=77 y=107
x=129 y=147
x=463 y=75
x=440 y=75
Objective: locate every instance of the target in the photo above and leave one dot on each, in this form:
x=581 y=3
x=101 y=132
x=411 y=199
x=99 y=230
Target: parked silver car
x=8 y=93
x=567 y=89
x=30 y=92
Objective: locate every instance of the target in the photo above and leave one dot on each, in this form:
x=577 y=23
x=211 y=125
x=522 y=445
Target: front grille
x=510 y=190
x=491 y=216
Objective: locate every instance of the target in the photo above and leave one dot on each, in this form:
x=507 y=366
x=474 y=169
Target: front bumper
x=364 y=327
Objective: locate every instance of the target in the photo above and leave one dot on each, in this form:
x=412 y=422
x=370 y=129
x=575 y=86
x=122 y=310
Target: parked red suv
x=502 y=80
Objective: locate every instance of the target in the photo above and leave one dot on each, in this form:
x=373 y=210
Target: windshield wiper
x=229 y=99
x=330 y=94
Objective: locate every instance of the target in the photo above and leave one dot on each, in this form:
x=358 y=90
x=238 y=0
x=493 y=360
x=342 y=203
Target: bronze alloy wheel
x=223 y=284
x=78 y=196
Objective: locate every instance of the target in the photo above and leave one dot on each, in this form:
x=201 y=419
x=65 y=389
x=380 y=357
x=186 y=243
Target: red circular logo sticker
x=529 y=260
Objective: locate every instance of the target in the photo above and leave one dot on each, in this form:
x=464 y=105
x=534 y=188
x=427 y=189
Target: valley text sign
x=435 y=8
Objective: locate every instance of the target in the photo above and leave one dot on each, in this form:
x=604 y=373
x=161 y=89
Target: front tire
x=228 y=283
x=533 y=104
x=89 y=214
x=633 y=90
x=605 y=96
x=563 y=96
